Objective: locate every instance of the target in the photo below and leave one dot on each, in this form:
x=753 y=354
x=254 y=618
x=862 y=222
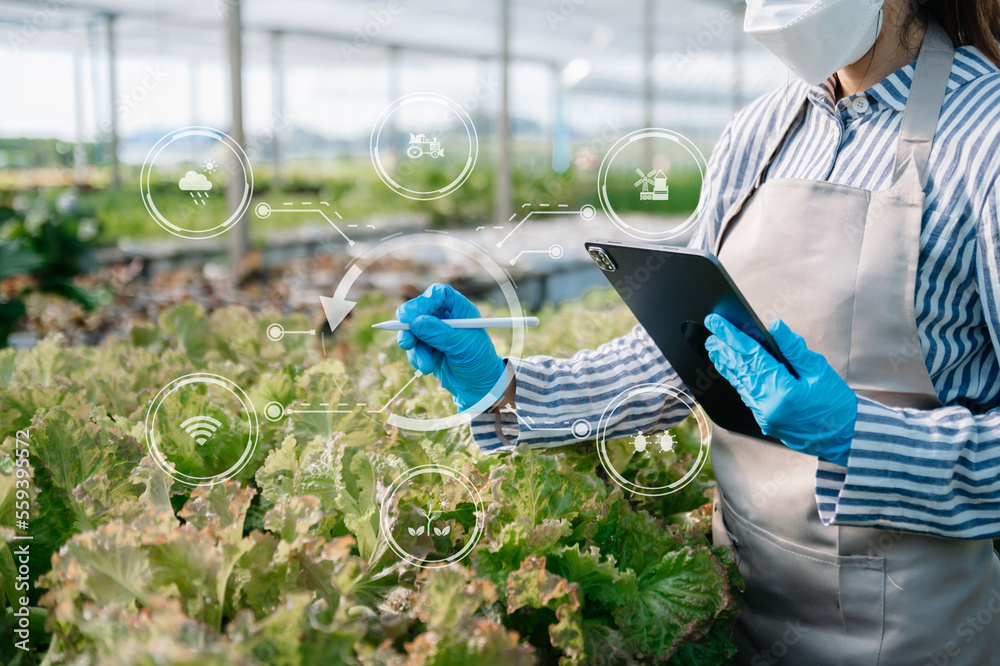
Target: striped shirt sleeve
x=554 y=394
x=930 y=471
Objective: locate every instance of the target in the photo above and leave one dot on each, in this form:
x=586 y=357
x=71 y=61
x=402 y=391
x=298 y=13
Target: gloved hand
x=814 y=414
x=463 y=360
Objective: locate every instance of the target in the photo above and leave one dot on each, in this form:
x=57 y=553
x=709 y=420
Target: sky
x=174 y=79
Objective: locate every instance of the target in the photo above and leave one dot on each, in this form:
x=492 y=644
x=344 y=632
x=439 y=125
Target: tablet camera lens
x=602 y=259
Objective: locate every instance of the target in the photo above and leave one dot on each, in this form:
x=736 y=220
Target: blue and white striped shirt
x=934 y=471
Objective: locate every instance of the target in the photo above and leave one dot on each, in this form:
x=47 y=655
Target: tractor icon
x=419 y=145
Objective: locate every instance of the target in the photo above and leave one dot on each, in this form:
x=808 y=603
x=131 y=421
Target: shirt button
x=860 y=104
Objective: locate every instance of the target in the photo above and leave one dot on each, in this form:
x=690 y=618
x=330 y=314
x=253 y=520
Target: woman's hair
x=967 y=22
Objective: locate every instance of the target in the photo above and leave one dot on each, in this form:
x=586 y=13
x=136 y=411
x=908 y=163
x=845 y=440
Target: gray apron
x=838 y=264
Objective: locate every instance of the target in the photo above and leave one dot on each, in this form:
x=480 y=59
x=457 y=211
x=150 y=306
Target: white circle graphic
x=275 y=332
x=383 y=172
x=704 y=432
x=152 y=429
x=608 y=161
x=146 y=189
x=273 y=411
x=476 y=254
x=386 y=523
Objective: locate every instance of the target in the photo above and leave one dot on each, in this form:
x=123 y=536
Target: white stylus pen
x=479 y=322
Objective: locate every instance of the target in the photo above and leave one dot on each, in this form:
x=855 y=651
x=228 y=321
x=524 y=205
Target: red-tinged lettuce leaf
x=156 y=488
x=158 y=634
x=254 y=583
x=448 y=597
x=532 y=586
x=542 y=487
x=219 y=509
x=451 y=603
x=345 y=475
x=276 y=477
x=483 y=642
x=679 y=598
x=717 y=647
x=194 y=566
x=107 y=565
x=603 y=586
x=213 y=536
x=148 y=489
x=67 y=450
x=341 y=475
x=292 y=517
x=215 y=514
x=273 y=567
x=496 y=557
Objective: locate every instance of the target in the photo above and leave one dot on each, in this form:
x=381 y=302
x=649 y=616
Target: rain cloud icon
x=195 y=183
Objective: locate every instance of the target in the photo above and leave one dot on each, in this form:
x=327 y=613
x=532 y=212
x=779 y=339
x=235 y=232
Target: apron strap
x=923 y=105
x=794 y=114
x=916 y=135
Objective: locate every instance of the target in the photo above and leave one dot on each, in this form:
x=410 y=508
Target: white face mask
x=815 y=39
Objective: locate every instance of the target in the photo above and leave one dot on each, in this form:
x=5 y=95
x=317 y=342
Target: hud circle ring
x=443 y=471
x=704 y=431
x=609 y=158
x=146 y=191
x=470 y=131
x=487 y=263
x=200 y=378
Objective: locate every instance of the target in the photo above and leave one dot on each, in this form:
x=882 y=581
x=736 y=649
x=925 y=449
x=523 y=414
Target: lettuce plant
x=286 y=563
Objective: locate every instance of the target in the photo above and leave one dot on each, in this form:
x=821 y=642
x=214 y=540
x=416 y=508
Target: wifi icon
x=201 y=428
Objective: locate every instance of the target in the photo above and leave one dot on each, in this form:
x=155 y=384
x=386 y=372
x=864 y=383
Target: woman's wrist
x=507 y=399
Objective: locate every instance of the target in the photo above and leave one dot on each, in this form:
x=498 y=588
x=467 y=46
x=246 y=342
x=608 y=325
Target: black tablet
x=671 y=290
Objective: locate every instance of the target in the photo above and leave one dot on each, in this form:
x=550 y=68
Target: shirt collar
x=893 y=91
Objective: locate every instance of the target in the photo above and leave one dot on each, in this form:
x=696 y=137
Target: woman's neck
x=887 y=55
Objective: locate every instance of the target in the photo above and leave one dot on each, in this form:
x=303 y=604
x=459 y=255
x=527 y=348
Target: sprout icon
x=431 y=516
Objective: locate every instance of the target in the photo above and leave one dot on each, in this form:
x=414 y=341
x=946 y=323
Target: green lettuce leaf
x=679 y=597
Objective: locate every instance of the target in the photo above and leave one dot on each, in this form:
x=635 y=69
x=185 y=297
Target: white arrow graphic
x=336 y=309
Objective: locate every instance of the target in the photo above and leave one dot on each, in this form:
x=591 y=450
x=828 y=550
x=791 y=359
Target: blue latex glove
x=814 y=414
x=463 y=360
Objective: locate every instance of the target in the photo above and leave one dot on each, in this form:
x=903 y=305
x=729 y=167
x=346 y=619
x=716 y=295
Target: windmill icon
x=656 y=178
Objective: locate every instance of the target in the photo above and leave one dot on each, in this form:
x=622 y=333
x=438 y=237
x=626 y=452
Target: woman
x=861 y=205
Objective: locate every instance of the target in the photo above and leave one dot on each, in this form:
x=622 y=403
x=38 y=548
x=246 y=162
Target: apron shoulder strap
x=923 y=107
x=793 y=113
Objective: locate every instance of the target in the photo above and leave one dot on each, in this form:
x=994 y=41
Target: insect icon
x=666 y=441
x=640 y=442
